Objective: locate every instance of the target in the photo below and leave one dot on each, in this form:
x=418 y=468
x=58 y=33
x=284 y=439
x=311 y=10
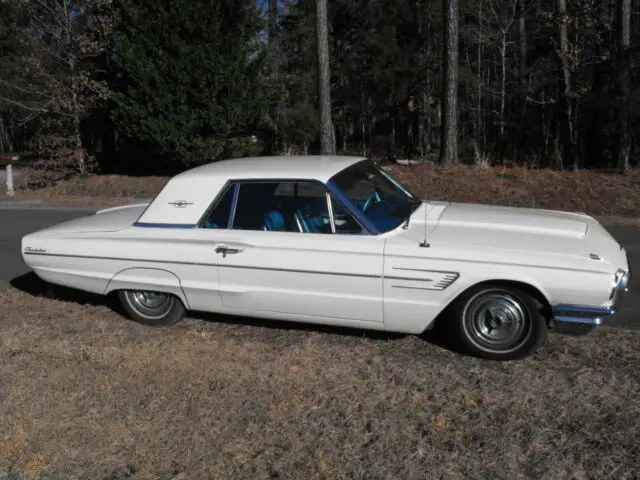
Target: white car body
x=399 y=280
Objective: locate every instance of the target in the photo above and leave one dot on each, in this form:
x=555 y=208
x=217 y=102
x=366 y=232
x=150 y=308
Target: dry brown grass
x=96 y=189
x=596 y=193
x=612 y=198
x=87 y=394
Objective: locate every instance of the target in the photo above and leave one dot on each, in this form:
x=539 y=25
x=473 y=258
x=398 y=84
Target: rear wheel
x=152 y=308
x=499 y=322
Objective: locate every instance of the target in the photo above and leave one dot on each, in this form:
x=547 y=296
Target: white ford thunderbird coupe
x=336 y=240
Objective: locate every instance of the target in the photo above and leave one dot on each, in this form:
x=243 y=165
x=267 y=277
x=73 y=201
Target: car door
x=284 y=254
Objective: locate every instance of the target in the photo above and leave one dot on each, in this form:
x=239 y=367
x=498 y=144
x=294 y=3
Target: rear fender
x=147 y=279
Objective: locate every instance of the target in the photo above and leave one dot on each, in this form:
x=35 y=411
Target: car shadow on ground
x=31 y=284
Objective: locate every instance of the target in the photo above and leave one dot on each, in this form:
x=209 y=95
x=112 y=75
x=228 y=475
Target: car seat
x=273 y=221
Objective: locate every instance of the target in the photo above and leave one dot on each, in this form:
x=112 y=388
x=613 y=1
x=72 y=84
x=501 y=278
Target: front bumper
x=581 y=319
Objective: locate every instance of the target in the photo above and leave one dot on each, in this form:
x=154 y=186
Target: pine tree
x=188 y=86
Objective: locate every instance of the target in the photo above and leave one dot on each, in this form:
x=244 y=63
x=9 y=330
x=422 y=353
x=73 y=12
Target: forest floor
x=86 y=393
x=613 y=198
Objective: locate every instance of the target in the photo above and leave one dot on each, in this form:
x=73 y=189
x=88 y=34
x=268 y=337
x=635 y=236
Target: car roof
x=315 y=167
x=196 y=188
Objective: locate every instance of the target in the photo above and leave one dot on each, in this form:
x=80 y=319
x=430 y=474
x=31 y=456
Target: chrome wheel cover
x=496 y=321
x=151 y=305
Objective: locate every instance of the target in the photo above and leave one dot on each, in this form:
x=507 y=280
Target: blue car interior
x=259 y=209
x=380 y=211
x=274 y=221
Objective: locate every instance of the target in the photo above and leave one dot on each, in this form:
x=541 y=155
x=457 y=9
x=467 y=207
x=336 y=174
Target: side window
x=311 y=210
x=344 y=220
x=219 y=216
x=282 y=207
x=255 y=200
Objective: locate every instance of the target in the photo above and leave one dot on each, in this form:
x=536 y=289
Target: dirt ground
x=610 y=197
x=88 y=394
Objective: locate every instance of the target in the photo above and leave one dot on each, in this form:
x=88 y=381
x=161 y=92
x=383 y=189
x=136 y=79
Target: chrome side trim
x=428 y=270
x=513 y=265
x=203 y=264
x=442 y=281
x=407 y=287
x=409 y=279
x=164 y=225
x=448 y=279
x=292 y=270
x=120 y=259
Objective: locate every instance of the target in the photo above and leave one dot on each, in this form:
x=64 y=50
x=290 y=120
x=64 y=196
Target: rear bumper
x=581 y=319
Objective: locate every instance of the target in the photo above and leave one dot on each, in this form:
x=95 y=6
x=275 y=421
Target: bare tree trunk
x=10 y=190
x=478 y=148
x=327 y=145
x=78 y=154
x=6 y=140
x=522 y=73
x=273 y=20
x=522 y=46
x=623 y=146
x=449 y=143
x=273 y=64
x=363 y=126
x=425 y=32
x=2 y=138
x=568 y=127
x=503 y=91
x=364 y=140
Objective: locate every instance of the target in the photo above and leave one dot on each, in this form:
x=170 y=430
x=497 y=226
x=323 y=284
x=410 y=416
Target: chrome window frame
x=327 y=196
x=360 y=216
x=330 y=189
x=213 y=205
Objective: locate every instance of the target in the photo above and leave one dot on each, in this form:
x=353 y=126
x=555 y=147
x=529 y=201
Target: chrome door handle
x=225 y=250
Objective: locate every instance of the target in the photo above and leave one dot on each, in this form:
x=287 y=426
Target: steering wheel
x=370 y=198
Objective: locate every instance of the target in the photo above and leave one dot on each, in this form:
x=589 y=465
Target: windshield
x=381 y=198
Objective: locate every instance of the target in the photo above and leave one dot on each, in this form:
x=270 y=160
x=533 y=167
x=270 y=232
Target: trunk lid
x=107 y=220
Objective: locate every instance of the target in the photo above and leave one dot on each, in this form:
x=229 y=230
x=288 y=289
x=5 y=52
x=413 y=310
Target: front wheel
x=152 y=308
x=499 y=322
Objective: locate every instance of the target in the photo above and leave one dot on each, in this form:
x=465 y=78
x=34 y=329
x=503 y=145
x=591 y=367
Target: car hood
x=511 y=220
x=525 y=236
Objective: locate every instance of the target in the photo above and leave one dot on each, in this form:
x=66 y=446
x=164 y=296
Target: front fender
x=147 y=279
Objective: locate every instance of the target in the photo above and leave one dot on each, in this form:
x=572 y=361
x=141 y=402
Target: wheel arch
x=528 y=337
x=144 y=278
x=527 y=287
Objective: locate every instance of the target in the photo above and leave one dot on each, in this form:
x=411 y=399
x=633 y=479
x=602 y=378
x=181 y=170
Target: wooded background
x=152 y=86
